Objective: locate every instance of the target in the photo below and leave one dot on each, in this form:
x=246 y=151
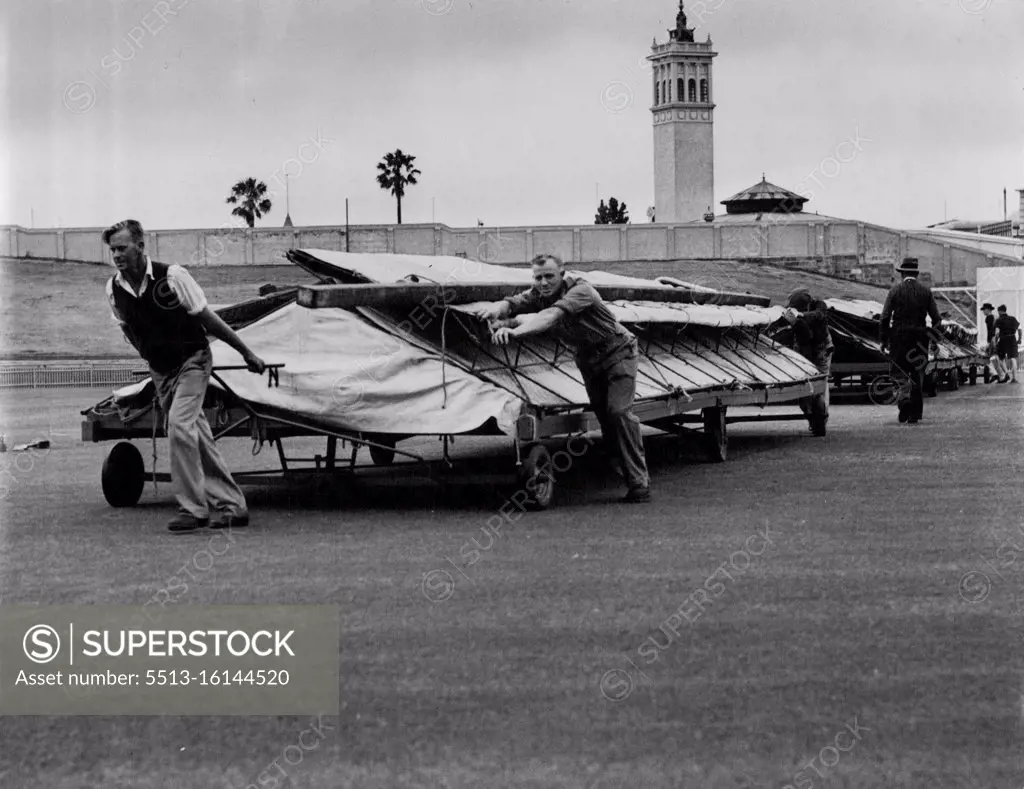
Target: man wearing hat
x=990 y=339
x=1008 y=335
x=904 y=333
x=813 y=340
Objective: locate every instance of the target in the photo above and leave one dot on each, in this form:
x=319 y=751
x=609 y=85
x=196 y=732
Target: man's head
x=127 y=244
x=986 y=308
x=547 y=274
x=1002 y=309
x=800 y=300
x=909 y=267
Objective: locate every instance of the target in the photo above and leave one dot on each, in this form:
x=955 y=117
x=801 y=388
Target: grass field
x=57 y=310
x=530 y=674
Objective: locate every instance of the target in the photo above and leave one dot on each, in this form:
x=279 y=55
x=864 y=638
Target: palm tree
x=396 y=171
x=249 y=199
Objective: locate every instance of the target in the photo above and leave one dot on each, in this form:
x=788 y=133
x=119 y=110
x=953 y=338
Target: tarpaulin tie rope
x=158 y=417
x=444 y=356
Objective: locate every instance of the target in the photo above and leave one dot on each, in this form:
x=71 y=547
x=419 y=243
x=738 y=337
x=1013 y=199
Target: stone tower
x=684 y=122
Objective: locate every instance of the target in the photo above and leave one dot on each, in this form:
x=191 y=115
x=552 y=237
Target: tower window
x=657 y=94
x=704 y=91
x=693 y=90
x=680 y=90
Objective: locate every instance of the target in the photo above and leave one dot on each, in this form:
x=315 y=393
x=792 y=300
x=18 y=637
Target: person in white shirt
x=165 y=316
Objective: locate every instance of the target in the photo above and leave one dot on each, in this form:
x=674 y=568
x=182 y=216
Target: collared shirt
x=180 y=281
x=1008 y=328
x=588 y=324
x=906 y=307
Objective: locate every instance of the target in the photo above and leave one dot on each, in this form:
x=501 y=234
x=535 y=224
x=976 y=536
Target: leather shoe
x=636 y=495
x=185 y=522
x=229 y=521
x=904 y=412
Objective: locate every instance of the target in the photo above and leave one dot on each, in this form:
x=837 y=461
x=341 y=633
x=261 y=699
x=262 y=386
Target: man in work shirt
x=1007 y=339
x=812 y=340
x=164 y=314
x=904 y=333
x=606 y=355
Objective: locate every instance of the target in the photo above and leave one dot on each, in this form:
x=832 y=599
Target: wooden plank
x=432 y=296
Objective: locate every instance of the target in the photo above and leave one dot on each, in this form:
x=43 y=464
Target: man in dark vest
x=904 y=333
x=606 y=356
x=164 y=314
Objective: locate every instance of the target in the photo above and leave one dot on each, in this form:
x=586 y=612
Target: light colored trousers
x=201 y=479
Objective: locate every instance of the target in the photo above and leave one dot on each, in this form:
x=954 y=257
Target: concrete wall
x=854 y=250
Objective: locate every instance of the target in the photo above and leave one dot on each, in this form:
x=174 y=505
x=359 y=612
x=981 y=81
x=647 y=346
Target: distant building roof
x=764 y=198
x=768 y=217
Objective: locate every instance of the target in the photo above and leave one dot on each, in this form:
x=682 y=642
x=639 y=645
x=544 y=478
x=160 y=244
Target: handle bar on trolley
x=272 y=371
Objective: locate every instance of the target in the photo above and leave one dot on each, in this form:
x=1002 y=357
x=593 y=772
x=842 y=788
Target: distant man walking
x=606 y=355
x=164 y=314
x=904 y=333
x=1008 y=336
x=990 y=339
x=812 y=340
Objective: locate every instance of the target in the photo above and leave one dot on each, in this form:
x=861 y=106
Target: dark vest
x=164 y=332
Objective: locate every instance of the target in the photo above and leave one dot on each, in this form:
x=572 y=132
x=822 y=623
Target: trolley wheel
x=988 y=375
x=972 y=375
x=123 y=475
x=537 y=475
x=716 y=442
x=385 y=455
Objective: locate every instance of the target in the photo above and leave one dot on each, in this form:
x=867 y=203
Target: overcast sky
x=518 y=111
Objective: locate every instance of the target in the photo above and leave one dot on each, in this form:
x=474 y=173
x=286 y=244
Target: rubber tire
x=537 y=477
x=380 y=455
x=716 y=439
x=123 y=476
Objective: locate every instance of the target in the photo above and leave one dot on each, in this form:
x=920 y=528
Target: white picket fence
x=71 y=375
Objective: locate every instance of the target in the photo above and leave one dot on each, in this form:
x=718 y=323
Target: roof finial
x=681 y=32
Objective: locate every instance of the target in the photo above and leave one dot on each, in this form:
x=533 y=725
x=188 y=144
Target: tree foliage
x=250 y=200
x=394 y=172
x=615 y=213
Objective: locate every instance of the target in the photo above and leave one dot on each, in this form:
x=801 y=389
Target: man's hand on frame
x=488 y=312
x=254 y=363
x=502 y=336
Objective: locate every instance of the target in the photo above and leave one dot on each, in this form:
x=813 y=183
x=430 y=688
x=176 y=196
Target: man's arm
x=535 y=323
x=508 y=307
x=216 y=327
x=192 y=298
x=885 y=320
x=803 y=332
x=115 y=316
x=933 y=312
x=491 y=311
